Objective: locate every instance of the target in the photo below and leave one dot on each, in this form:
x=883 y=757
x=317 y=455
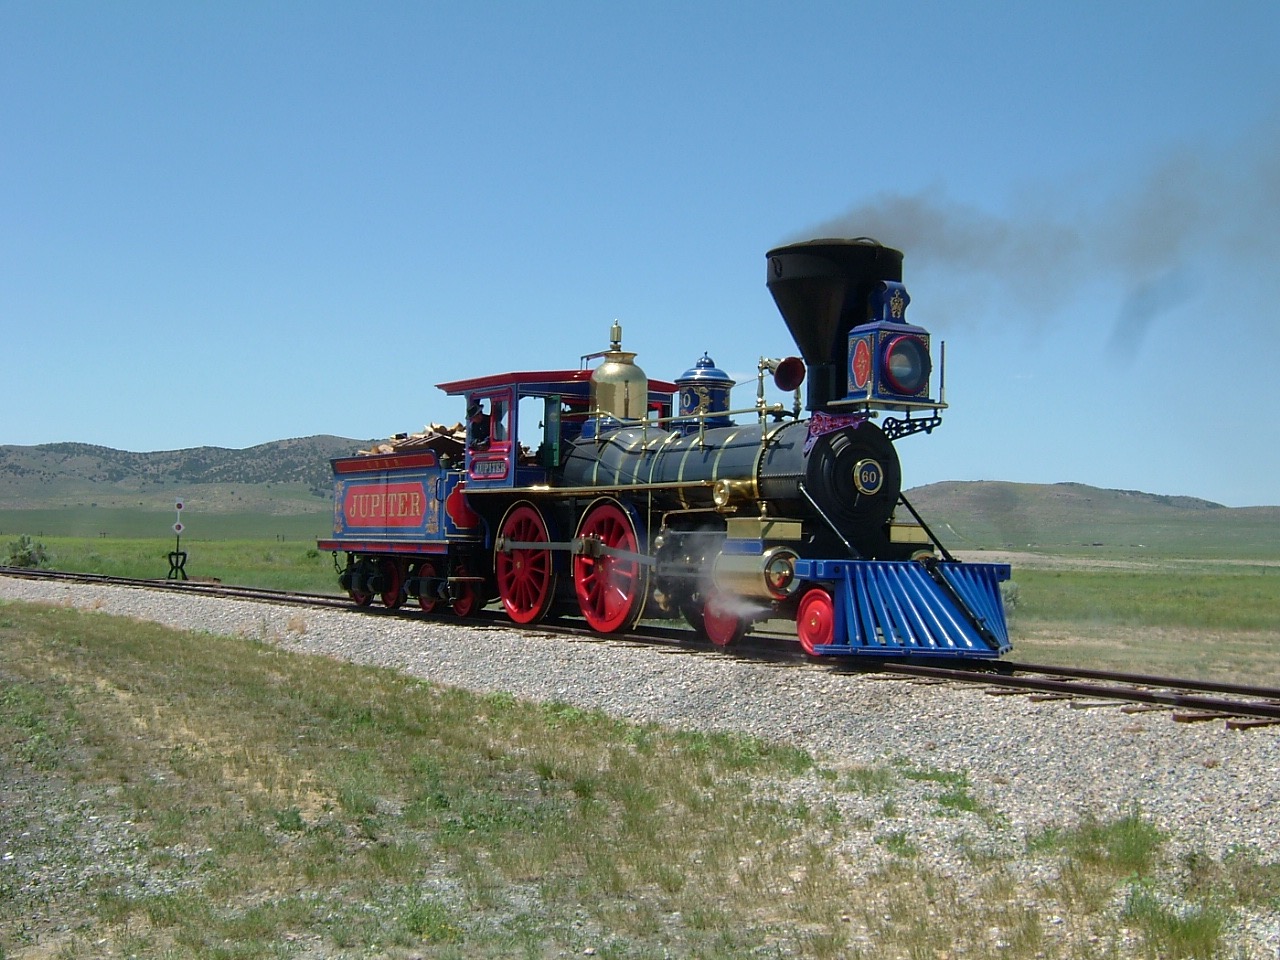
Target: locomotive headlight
x=887 y=360
x=907 y=364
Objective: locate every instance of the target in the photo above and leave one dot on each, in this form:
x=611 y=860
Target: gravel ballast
x=1035 y=764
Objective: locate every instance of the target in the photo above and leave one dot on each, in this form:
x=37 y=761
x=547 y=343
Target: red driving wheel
x=719 y=621
x=816 y=620
x=526 y=577
x=610 y=588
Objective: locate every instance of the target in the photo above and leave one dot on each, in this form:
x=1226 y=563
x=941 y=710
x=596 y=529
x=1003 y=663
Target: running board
x=904 y=608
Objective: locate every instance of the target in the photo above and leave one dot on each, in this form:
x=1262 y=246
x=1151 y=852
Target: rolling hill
x=59 y=474
x=1076 y=518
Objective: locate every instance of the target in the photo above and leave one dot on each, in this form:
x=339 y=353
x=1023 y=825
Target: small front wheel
x=816 y=620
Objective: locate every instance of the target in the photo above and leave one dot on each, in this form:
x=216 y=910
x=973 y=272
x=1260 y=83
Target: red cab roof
x=538 y=381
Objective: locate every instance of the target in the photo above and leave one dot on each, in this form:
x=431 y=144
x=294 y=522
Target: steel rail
x=1268 y=706
x=228 y=590
x=1141 y=679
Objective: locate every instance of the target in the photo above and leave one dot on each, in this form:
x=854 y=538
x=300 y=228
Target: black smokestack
x=823 y=290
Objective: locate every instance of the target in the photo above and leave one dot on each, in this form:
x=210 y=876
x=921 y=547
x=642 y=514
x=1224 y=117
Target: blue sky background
x=229 y=223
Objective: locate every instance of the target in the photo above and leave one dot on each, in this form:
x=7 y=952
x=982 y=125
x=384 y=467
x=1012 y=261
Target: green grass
x=1211 y=625
x=285 y=805
x=1248 y=600
x=956 y=795
x=274 y=564
x=1128 y=845
x=296 y=778
x=300 y=520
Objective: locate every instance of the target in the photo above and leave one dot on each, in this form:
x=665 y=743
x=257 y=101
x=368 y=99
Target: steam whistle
x=788 y=374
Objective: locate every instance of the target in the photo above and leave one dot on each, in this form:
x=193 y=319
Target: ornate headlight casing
x=888 y=360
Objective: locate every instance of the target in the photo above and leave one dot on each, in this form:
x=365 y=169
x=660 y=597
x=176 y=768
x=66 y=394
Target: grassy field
x=1190 y=622
x=286 y=564
x=172 y=795
x=1247 y=599
x=129 y=523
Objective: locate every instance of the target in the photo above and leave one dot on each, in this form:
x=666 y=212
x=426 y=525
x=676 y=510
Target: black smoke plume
x=1198 y=222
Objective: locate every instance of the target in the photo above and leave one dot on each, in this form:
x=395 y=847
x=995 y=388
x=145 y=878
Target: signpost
x=178 y=556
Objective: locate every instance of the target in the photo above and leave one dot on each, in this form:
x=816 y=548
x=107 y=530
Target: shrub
x=25 y=552
x=1009 y=593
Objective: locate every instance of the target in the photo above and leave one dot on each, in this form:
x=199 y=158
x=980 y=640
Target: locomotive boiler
x=602 y=492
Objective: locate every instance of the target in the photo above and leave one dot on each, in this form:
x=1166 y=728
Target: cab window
x=489 y=422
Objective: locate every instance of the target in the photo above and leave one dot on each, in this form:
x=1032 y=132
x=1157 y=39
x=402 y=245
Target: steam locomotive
x=601 y=492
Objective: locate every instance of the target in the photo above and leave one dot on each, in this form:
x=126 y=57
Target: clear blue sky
x=225 y=223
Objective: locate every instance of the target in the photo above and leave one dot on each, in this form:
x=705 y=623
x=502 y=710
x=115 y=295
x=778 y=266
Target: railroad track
x=198 y=587
x=1240 y=706
x=1188 y=700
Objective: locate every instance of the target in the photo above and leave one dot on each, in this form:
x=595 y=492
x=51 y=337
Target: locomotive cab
x=530 y=418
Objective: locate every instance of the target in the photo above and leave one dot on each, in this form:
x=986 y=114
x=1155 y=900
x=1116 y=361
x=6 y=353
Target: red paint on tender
x=384 y=505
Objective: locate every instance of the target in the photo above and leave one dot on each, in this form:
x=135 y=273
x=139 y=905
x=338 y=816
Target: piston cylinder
x=767 y=576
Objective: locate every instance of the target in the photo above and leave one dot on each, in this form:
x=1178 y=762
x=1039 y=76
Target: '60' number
x=868 y=477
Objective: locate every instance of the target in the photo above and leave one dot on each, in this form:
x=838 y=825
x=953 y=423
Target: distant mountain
x=50 y=472
x=1075 y=516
